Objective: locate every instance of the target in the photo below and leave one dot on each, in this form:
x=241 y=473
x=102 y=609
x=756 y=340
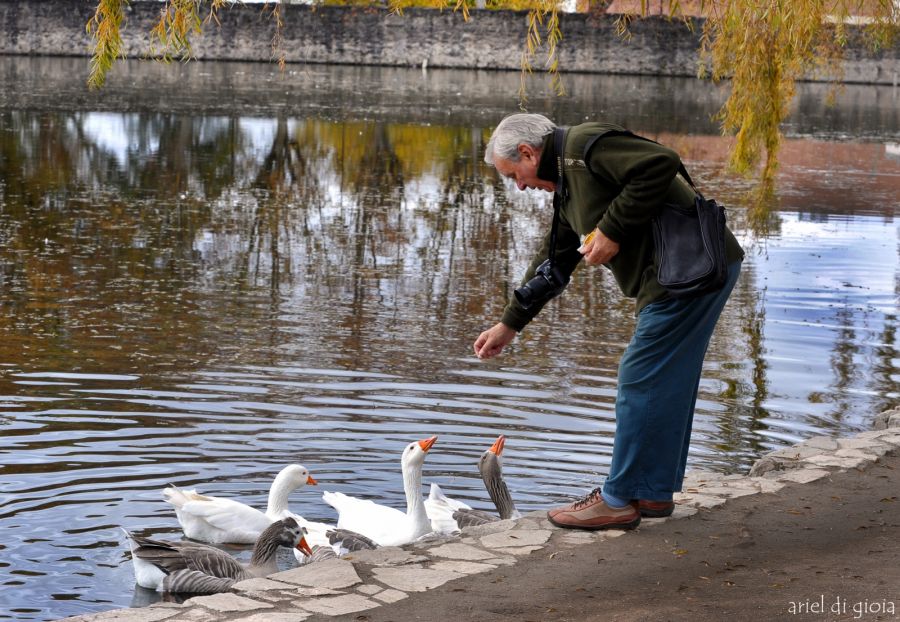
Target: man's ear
x=526 y=150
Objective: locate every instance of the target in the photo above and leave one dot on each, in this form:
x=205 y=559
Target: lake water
x=209 y=271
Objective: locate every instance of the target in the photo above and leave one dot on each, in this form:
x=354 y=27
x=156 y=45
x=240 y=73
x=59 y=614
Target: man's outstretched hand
x=492 y=341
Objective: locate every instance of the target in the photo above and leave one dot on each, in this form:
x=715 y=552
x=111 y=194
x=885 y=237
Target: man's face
x=524 y=172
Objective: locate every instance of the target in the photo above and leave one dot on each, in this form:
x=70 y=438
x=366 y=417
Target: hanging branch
x=105 y=28
x=535 y=20
x=278 y=52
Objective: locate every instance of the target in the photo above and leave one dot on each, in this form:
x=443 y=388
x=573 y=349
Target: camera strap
x=561 y=194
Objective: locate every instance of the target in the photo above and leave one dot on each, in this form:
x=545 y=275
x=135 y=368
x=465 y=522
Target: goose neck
x=264 y=553
x=499 y=493
x=412 y=486
x=278 y=498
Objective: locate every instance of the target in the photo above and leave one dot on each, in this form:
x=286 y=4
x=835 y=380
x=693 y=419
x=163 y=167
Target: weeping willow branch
x=178 y=21
x=554 y=36
x=105 y=28
x=549 y=10
x=397 y=7
x=278 y=37
x=763 y=47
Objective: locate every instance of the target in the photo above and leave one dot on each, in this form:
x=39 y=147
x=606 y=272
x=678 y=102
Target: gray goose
x=328 y=542
x=449 y=516
x=193 y=568
x=340 y=542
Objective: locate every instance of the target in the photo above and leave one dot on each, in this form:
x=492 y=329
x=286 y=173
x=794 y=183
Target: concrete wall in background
x=346 y=35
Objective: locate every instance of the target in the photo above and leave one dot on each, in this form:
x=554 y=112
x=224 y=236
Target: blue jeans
x=657 y=389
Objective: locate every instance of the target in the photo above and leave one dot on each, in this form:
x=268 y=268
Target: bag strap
x=593 y=140
x=561 y=194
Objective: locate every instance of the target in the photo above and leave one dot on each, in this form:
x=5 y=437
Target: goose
x=327 y=541
x=193 y=568
x=340 y=542
x=384 y=525
x=349 y=541
x=449 y=516
x=218 y=520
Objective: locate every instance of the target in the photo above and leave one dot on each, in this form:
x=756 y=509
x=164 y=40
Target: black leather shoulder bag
x=689 y=241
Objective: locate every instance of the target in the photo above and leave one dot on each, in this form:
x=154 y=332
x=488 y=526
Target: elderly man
x=616 y=182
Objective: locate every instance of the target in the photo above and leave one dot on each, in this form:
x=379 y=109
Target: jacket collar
x=547 y=167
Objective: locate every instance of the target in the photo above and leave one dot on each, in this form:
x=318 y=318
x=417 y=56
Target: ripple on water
x=203 y=317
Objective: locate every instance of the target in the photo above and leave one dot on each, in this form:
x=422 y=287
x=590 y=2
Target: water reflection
x=295 y=270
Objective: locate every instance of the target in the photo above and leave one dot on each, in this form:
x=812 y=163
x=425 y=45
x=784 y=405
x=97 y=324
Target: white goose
x=449 y=516
x=217 y=520
x=191 y=568
x=387 y=526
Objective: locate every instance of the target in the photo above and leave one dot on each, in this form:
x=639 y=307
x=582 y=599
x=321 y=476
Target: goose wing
x=215 y=519
x=378 y=522
x=321 y=553
x=436 y=495
x=214 y=562
x=161 y=553
x=473 y=518
x=195 y=582
x=441 y=509
x=349 y=541
x=172 y=557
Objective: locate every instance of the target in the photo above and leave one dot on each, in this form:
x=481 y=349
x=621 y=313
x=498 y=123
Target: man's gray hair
x=515 y=130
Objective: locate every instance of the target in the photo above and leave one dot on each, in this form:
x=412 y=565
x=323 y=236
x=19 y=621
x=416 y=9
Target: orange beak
x=427 y=443
x=303 y=547
x=497 y=447
x=310 y=480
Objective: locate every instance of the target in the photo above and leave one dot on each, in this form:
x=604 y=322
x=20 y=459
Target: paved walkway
x=812 y=533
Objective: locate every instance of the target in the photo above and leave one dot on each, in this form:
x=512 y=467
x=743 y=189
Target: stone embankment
x=656 y=46
x=366 y=580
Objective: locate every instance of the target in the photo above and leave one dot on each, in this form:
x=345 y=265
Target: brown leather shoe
x=592 y=513
x=656 y=509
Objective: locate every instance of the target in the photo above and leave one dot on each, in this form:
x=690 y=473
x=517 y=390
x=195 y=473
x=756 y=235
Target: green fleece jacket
x=629 y=181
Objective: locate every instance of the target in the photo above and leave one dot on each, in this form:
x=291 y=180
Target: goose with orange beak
x=191 y=568
x=384 y=525
x=219 y=520
x=449 y=515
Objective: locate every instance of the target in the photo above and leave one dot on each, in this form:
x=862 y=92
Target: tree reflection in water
x=202 y=296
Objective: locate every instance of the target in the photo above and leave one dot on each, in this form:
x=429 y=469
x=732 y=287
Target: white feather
x=440 y=510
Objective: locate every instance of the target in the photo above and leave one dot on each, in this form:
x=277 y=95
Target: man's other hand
x=598 y=250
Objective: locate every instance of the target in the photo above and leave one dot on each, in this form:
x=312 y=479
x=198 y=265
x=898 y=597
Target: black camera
x=548 y=281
